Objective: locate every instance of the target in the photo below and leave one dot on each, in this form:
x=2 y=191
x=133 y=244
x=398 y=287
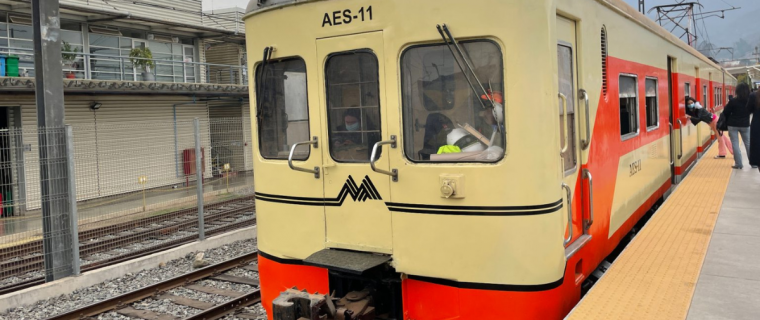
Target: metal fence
x=138 y=189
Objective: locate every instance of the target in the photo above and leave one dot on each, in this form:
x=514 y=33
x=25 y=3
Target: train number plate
x=346 y=16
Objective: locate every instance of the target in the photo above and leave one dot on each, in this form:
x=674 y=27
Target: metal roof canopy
x=94 y=15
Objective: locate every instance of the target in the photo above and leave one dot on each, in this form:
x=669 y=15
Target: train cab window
x=282 y=108
x=353 y=105
x=444 y=119
x=629 y=106
x=653 y=119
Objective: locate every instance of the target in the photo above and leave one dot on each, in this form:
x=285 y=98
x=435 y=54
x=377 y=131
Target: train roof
x=629 y=12
x=625 y=10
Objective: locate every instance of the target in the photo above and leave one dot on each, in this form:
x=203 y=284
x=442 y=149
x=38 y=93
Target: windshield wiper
x=260 y=85
x=446 y=35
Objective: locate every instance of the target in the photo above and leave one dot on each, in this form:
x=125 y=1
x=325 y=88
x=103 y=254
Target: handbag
x=722 y=124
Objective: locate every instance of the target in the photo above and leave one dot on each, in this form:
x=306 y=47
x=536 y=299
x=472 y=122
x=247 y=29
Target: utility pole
x=642 y=7
x=58 y=242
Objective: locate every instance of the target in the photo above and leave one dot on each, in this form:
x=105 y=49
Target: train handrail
x=569 y=213
x=392 y=142
x=585 y=143
x=680 y=139
x=567 y=123
x=587 y=175
x=315 y=143
x=672 y=133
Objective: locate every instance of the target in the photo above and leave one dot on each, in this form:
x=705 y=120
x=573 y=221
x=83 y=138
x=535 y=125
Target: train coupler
x=301 y=305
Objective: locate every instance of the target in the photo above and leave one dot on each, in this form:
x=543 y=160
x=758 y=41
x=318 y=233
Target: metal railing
x=85 y=66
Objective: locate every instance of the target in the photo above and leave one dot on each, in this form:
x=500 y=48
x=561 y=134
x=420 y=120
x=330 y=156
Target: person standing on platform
x=737 y=116
x=696 y=113
x=754 y=130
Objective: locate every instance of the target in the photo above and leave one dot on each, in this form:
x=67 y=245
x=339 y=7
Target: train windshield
x=283 y=109
x=444 y=121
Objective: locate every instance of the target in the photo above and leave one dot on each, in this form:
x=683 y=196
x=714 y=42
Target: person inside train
x=352 y=135
x=487 y=123
x=754 y=130
x=348 y=132
x=696 y=113
x=737 y=116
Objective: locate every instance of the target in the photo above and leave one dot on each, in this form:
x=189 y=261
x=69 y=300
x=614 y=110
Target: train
x=441 y=159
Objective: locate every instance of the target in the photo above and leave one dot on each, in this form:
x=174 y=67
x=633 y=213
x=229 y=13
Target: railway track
x=123 y=241
x=213 y=280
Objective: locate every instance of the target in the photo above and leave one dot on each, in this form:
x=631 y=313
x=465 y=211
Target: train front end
x=407 y=160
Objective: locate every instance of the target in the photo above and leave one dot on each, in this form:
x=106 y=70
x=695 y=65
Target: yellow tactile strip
x=655 y=277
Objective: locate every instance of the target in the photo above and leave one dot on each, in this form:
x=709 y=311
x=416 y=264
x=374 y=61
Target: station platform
x=698 y=257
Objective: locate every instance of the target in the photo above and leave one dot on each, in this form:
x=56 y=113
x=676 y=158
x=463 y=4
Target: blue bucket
x=2 y=66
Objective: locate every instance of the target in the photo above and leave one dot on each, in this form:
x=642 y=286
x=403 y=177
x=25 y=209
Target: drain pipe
x=176 y=141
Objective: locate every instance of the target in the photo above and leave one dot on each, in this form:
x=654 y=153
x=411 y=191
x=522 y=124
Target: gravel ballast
x=82 y=297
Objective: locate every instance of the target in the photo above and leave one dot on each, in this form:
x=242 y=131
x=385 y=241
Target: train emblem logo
x=361 y=193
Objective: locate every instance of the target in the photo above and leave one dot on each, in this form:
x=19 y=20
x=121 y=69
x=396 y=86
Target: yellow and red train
x=460 y=160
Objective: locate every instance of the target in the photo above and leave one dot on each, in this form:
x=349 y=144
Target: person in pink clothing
x=696 y=113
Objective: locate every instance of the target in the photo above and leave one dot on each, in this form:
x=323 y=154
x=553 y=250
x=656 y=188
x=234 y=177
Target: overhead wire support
x=667 y=13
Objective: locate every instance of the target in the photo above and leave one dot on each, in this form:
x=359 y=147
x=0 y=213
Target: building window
x=283 y=109
x=629 y=106
x=353 y=104
x=16 y=39
x=653 y=118
x=444 y=120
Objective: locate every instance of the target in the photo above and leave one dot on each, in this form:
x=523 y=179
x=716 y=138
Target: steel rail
x=152 y=290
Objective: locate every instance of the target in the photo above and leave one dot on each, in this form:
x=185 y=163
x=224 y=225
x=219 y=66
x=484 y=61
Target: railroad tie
x=192 y=303
x=221 y=292
x=251 y=267
x=235 y=279
x=145 y=314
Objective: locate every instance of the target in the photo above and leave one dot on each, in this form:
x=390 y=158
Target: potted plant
x=143 y=63
x=68 y=56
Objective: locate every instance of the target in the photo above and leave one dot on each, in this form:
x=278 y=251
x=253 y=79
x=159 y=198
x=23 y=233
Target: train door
x=671 y=119
x=352 y=85
x=572 y=150
x=288 y=126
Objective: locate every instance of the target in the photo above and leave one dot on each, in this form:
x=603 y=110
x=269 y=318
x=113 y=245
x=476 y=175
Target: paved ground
x=729 y=284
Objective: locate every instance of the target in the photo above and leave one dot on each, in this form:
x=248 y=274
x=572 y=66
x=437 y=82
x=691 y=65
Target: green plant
x=143 y=53
x=68 y=54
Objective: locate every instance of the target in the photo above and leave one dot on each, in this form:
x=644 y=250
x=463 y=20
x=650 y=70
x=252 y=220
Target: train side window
x=653 y=117
x=629 y=106
x=687 y=89
x=353 y=105
x=567 y=87
x=443 y=119
x=282 y=108
x=704 y=97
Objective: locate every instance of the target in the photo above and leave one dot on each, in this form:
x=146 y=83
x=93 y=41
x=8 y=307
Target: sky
x=721 y=32
x=738 y=24
x=223 y=4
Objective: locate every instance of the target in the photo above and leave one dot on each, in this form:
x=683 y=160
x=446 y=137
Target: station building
x=200 y=72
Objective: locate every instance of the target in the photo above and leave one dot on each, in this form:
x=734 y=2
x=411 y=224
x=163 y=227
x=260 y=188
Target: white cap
x=464 y=140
